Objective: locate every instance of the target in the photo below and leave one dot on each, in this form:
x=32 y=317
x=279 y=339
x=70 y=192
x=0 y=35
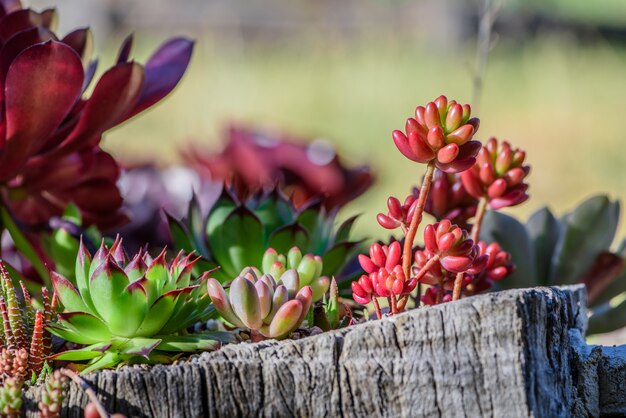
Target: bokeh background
x=351 y=71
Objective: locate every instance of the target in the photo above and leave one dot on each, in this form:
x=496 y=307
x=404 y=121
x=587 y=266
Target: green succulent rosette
x=133 y=311
x=236 y=234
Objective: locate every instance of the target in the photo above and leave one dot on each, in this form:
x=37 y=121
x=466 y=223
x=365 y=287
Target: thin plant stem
x=458 y=284
x=379 y=314
x=393 y=304
x=407 y=258
x=480 y=215
x=440 y=291
x=478 y=221
x=404 y=299
x=88 y=390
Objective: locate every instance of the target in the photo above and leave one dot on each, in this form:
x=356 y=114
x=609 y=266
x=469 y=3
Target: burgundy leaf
x=81 y=40
x=18 y=21
x=115 y=94
x=20 y=42
x=125 y=49
x=42 y=85
x=163 y=72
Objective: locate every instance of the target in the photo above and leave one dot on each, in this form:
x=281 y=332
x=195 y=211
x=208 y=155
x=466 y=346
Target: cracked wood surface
x=494 y=355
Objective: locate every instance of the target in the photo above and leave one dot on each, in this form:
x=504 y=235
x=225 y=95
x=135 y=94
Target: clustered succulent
x=462 y=178
x=441 y=133
x=272 y=307
x=129 y=311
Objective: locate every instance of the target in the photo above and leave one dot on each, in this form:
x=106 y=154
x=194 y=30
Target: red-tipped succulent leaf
x=441 y=132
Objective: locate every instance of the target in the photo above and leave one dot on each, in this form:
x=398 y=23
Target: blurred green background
x=352 y=71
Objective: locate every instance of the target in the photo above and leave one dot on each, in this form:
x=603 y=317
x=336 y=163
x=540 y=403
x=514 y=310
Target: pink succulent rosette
x=498 y=175
x=272 y=307
x=441 y=132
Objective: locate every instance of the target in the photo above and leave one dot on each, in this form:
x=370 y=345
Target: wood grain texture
x=509 y=354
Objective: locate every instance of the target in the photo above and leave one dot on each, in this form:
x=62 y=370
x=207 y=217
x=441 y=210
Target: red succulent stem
x=440 y=291
x=402 y=302
x=379 y=314
x=407 y=258
x=393 y=304
x=458 y=284
x=480 y=214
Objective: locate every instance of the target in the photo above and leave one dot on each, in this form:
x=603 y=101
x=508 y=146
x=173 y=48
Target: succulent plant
x=492 y=265
x=451 y=245
x=398 y=215
x=441 y=132
x=52 y=395
x=130 y=311
x=448 y=199
x=333 y=313
x=575 y=248
x=236 y=234
x=24 y=343
x=498 y=175
x=308 y=267
x=51 y=130
x=385 y=278
x=273 y=308
x=11 y=397
x=254 y=159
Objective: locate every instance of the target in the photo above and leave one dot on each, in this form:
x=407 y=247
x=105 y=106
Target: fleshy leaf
x=105 y=287
x=68 y=294
x=41 y=86
x=587 y=231
x=285 y=237
x=513 y=238
x=543 y=230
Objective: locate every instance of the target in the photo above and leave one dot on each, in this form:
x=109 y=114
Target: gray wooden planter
x=517 y=353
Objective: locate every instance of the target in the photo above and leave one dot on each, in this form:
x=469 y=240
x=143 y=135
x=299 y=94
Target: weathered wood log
x=517 y=353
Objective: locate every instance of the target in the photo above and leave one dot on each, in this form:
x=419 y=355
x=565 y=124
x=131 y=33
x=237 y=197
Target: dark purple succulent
x=50 y=131
x=254 y=159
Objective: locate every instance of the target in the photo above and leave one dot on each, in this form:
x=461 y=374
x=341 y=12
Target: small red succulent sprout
x=381 y=256
x=451 y=244
x=385 y=278
x=498 y=175
x=398 y=215
x=441 y=132
x=431 y=294
x=435 y=274
x=492 y=265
